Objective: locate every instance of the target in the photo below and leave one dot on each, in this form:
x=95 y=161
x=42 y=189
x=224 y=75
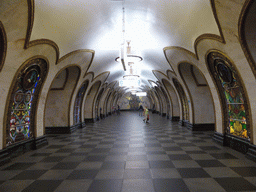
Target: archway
x=184 y=102
x=89 y=104
x=98 y=109
x=234 y=102
x=175 y=108
x=24 y=94
x=58 y=102
x=78 y=120
x=201 y=98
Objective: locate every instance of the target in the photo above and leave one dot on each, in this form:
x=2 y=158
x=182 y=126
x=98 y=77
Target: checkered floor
x=122 y=153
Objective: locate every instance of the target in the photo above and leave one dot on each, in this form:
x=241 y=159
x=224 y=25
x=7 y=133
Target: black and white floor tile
x=124 y=154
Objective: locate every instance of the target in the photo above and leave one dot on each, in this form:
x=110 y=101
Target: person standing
x=146 y=114
x=140 y=110
x=118 y=110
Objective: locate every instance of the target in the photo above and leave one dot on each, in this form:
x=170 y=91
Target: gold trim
x=97 y=102
x=183 y=98
x=214 y=11
x=108 y=72
x=72 y=94
x=43 y=42
x=3 y=42
x=189 y=93
x=194 y=76
x=65 y=82
x=159 y=95
x=31 y=16
x=164 y=81
x=81 y=104
x=88 y=74
x=243 y=88
x=46 y=99
x=241 y=35
x=28 y=43
x=8 y=98
x=206 y=36
x=95 y=97
x=180 y=49
x=75 y=52
x=157 y=71
x=169 y=71
x=219 y=38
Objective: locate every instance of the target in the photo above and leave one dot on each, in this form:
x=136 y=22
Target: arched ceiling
x=97 y=25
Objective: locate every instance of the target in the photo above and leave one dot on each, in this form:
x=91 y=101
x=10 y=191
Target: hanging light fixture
x=126 y=56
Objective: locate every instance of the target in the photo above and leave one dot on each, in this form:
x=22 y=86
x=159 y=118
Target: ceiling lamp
x=141 y=94
x=126 y=56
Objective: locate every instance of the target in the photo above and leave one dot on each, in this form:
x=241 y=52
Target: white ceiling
x=151 y=25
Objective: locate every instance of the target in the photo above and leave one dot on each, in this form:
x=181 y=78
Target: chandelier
x=126 y=54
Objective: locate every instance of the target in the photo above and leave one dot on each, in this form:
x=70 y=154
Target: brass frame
x=23 y=67
x=220 y=95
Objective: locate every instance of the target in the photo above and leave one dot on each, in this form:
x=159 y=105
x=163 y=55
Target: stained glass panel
x=237 y=124
x=23 y=104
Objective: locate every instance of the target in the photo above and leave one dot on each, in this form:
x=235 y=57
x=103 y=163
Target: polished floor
x=122 y=153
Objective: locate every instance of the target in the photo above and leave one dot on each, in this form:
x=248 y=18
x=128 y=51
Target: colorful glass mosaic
x=234 y=99
x=23 y=104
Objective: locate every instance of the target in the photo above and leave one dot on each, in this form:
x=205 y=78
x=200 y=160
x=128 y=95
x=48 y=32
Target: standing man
x=140 y=110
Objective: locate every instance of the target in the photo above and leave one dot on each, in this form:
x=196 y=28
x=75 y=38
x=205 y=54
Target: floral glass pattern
x=234 y=99
x=23 y=102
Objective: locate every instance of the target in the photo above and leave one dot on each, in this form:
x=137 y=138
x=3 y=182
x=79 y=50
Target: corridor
x=121 y=153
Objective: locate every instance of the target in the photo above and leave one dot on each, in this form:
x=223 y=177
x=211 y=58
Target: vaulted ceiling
x=150 y=25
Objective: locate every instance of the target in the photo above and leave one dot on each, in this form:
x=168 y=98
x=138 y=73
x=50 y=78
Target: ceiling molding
x=206 y=36
x=98 y=76
x=157 y=71
x=76 y=52
x=89 y=73
x=214 y=11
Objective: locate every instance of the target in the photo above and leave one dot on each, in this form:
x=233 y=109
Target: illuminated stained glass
x=230 y=88
x=23 y=104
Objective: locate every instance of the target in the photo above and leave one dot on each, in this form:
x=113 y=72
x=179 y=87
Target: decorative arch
x=175 y=108
x=21 y=111
x=234 y=100
x=98 y=109
x=78 y=104
x=58 y=102
x=89 y=104
x=202 y=107
x=183 y=100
